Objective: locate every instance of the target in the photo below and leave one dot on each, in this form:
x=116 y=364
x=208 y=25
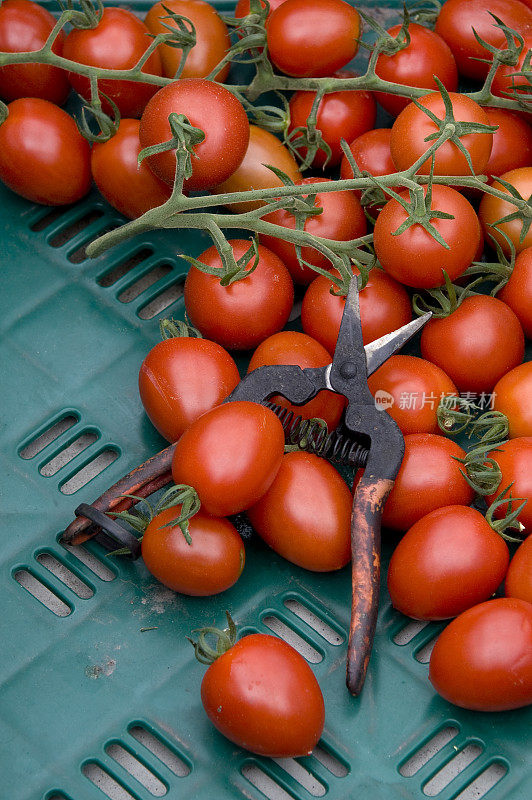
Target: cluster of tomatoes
x=451 y=559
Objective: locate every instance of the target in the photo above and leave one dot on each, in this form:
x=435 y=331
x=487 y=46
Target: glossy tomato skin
x=212 y=38
x=475 y=345
x=182 y=378
x=128 y=186
x=263 y=696
x=512 y=394
x=230 y=455
x=429 y=478
x=414 y=257
x=517 y=293
x=458 y=18
x=515 y=461
x=492 y=209
x=243 y=314
x=372 y=154
x=412 y=126
x=426 y=55
x=507 y=83
x=518 y=581
x=416 y=387
x=210 y=565
x=512 y=142
x=242 y=7
x=312 y=37
x=492 y=643
x=305 y=514
x=43 y=156
x=292 y=347
x=384 y=307
x=263 y=149
x=341 y=115
x=117 y=42
x=448 y=561
x=24 y=27
x=209 y=107
x=342 y=219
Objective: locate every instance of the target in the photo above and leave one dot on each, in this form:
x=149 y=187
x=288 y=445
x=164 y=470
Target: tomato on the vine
x=230 y=455
x=507 y=81
x=24 y=27
x=448 y=561
x=372 y=154
x=483 y=659
x=517 y=293
x=518 y=581
x=242 y=8
x=512 y=395
x=492 y=209
x=512 y=142
x=515 y=462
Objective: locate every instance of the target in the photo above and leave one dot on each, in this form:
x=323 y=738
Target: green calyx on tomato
x=232 y=269
x=176 y=328
x=224 y=640
x=184 y=138
x=510 y=521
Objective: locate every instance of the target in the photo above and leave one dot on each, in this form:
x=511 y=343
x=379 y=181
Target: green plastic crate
x=100 y=690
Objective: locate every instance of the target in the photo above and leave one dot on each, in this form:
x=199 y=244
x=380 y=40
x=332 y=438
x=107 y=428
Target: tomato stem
x=224 y=640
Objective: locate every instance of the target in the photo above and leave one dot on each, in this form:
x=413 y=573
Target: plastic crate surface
x=100 y=689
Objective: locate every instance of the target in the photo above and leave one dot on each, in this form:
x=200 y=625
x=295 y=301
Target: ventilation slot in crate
x=65 y=575
x=106 y=783
x=91 y=470
x=409 y=631
x=111 y=276
x=163 y=300
x=48 y=435
x=290 y=636
x=265 y=783
x=139 y=771
x=423 y=654
x=331 y=762
x=452 y=769
x=428 y=750
x=483 y=782
x=315 y=622
x=67 y=233
x=89 y=560
x=80 y=254
x=160 y=749
x=68 y=453
x=48 y=219
x=144 y=282
x=305 y=778
x=42 y=593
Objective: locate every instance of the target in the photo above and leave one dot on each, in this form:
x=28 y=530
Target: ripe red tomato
x=515 y=461
x=212 y=38
x=517 y=293
x=24 y=27
x=263 y=696
x=475 y=345
x=512 y=142
x=128 y=186
x=518 y=581
x=43 y=156
x=312 y=37
x=384 y=306
x=447 y=562
x=414 y=257
x=415 y=387
x=264 y=149
x=492 y=644
x=243 y=314
x=459 y=19
x=292 y=347
x=492 y=209
x=342 y=219
x=305 y=514
x=372 y=154
x=209 y=107
x=507 y=83
x=242 y=7
x=425 y=56
x=429 y=478
x=341 y=115
x=117 y=42
x=512 y=395
x=211 y=564
x=412 y=126
x=182 y=378
x=230 y=455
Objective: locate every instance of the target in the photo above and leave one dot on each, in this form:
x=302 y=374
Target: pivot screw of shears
x=348 y=370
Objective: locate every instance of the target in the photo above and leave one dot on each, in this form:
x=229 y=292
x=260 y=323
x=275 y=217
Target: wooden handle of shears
x=368 y=502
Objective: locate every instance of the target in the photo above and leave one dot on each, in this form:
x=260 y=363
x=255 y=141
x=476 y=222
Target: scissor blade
x=380 y=350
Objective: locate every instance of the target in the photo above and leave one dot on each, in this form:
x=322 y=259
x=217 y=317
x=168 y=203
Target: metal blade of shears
x=380 y=350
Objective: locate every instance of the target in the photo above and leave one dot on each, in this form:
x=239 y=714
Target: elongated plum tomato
x=492 y=209
x=43 y=156
x=212 y=563
x=292 y=347
x=212 y=38
x=211 y=108
x=512 y=395
x=244 y=313
x=305 y=514
x=312 y=37
x=515 y=462
x=416 y=387
x=492 y=644
x=414 y=257
x=264 y=150
x=429 y=478
x=117 y=42
x=448 y=561
x=230 y=455
x=518 y=581
x=128 y=186
x=263 y=696
x=425 y=55
x=182 y=378
x=475 y=345
x=412 y=126
x=517 y=293
x=24 y=27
